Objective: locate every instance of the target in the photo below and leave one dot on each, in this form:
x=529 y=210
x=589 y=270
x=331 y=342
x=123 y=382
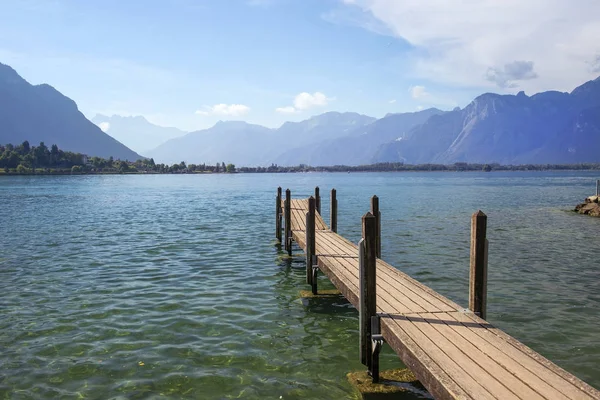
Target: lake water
x=137 y=286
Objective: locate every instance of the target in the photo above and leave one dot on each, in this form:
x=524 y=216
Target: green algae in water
x=393 y=384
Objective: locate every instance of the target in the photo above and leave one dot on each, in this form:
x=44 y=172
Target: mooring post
x=377 y=214
x=318 y=200
x=278 y=215
x=288 y=221
x=478 y=265
x=367 y=285
x=333 y=211
x=310 y=245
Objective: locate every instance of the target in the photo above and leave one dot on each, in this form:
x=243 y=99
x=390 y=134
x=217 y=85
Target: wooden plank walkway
x=453 y=352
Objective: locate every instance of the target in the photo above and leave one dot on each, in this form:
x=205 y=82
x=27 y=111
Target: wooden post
x=333 y=211
x=288 y=221
x=478 y=266
x=598 y=187
x=278 y=215
x=377 y=214
x=318 y=200
x=367 y=285
x=310 y=241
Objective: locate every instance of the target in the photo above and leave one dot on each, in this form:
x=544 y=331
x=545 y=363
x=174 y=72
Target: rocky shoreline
x=590 y=207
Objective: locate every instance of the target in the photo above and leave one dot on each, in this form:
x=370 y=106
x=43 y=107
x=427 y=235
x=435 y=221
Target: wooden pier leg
x=377 y=214
x=310 y=243
x=318 y=200
x=333 y=211
x=478 y=265
x=367 y=296
x=288 y=221
x=278 y=215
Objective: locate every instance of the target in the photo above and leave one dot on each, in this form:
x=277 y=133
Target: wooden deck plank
x=408 y=305
x=514 y=367
x=427 y=300
x=455 y=354
x=543 y=368
x=441 y=322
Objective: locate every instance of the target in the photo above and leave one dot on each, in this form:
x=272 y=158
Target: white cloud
x=418 y=92
x=286 y=110
x=233 y=110
x=304 y=101
x=392 y=101
x=477 y=43
x=105 y=126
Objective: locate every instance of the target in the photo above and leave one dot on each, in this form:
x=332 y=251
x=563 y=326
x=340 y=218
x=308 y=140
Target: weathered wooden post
x=333 y=211
x=310 y=244
x=478 y=265
x=288 y=221
x=318 y=200
x=278 y=215
x=367 y=307
x=377 y=214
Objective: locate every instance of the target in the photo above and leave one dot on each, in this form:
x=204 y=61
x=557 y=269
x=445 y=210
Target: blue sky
x=188 y=63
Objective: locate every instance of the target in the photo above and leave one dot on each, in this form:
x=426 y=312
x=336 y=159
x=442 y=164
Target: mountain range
x=136 y=132
x=548 y=127
x=41 y=113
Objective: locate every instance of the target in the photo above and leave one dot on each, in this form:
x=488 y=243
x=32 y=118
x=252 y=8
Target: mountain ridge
x=41 y=113
x=507 y=129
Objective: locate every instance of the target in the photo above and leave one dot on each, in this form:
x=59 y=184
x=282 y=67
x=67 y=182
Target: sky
x=191 y=63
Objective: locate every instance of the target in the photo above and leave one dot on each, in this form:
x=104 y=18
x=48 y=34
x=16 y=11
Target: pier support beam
x=311 y=270
x=288 y=221
x=478 y=265
x=278 y=215
x=377 y=214
x=333 y=211
x=370 y=337
x=318 y=200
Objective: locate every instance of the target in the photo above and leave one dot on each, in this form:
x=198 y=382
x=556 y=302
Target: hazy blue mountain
x=358 y=145
x=327 y=126
x=230 y=142
x=251 y=145
x=40 y=113
x=136 y=132
x=549 y=127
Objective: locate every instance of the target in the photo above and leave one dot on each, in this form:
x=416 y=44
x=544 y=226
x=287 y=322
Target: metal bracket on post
x=315 y=270
x=377 y=342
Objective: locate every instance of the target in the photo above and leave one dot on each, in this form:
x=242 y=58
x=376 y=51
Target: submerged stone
x=393 y=384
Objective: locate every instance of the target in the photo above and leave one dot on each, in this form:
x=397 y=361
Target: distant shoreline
x=293 y=171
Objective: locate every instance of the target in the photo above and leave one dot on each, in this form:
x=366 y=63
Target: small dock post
x=288 y=221
x=278 y=215
x=369 y=324
x=377 y=214
x=311 y=271
x=333 y=211
x=478 y=265
x=318 y=200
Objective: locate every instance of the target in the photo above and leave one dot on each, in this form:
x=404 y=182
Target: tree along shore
x=25 y=159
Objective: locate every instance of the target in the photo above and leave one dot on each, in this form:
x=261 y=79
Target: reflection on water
x=138 y=286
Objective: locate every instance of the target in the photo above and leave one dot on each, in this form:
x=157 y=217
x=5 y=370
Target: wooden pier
x=453 y=351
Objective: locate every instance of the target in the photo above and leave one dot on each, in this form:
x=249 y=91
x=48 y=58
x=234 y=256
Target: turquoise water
x=134 y=287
